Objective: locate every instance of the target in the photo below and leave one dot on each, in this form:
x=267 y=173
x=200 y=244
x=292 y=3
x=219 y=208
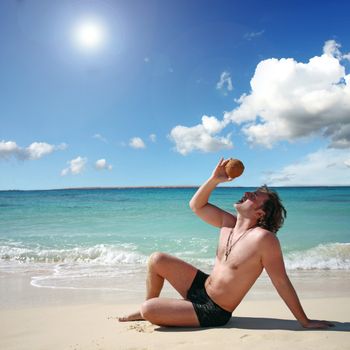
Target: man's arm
x=272 y=260
x=209 y=212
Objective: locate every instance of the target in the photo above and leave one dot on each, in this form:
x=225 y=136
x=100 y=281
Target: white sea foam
x=333 y=256
x=104 y=260
x=113 y=267
x=100 y=254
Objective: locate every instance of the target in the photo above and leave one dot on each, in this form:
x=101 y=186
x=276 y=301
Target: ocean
x=101 y=238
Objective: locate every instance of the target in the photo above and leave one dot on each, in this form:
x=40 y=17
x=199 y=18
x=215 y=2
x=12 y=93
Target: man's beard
x=243 y=199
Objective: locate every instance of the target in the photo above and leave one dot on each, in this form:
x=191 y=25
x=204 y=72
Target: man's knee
x=148 y=310
x=156 y=258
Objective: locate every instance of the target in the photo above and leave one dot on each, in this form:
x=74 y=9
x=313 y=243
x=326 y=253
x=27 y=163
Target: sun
x=89 y=34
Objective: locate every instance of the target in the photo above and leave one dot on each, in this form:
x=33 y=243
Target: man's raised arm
x=209 y=212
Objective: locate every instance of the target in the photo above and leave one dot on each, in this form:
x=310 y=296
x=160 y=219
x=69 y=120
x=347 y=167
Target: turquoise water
x=76 y=234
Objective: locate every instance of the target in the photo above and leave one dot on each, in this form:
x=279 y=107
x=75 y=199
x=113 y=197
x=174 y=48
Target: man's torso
x=231 y=279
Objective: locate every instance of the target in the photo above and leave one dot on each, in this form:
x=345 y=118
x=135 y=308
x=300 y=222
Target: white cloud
x=253 y=35
x=153 y=137
x=225 y=82
x=332 y=48
x=290 y=100
x=212 y=125
x=137 y=142
x=324 y=167
x=8 y=149
x=102 y=164
x=76 y=166
x=34 y=151
x=201 y=137
x=100 y=137
x=37 y=150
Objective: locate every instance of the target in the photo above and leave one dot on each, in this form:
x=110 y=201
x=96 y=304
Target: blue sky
x=157 y=91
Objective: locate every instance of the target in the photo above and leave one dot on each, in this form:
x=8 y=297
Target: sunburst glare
x=89 y=34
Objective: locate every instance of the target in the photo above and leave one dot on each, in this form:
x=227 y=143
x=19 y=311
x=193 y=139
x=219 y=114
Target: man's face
x=251 y=201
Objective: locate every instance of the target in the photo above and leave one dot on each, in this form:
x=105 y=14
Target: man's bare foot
x=136 y=316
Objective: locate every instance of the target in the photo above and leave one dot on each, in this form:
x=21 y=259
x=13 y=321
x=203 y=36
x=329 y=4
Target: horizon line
x=159 y=187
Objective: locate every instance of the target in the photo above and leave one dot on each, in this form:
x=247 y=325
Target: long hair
x=275 y=212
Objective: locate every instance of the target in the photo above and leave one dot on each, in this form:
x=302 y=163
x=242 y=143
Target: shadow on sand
x=262 y=323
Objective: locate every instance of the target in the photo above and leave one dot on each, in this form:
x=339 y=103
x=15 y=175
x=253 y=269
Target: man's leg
x=177 y=272
x=170 y=312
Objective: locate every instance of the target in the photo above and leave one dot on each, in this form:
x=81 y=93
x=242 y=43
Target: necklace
x=230 y=246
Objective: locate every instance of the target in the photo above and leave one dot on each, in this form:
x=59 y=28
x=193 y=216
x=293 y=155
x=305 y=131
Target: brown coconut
x=234 y=168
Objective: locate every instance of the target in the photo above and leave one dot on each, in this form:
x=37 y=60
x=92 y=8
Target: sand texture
x=254 y=325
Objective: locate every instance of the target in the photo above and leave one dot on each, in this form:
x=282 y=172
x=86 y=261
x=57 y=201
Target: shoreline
x=17 y=290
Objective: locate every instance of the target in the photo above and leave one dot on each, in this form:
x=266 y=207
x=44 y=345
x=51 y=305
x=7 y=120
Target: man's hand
x=219 y=174
x=315 y=324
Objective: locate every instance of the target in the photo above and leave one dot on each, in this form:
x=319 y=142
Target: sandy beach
x=255 y=325
x=71 y=319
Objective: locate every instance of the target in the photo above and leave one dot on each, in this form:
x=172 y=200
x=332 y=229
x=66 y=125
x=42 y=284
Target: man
x=247 y=245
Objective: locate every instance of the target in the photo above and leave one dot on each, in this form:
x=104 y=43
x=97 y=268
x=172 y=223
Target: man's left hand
x=315 y=324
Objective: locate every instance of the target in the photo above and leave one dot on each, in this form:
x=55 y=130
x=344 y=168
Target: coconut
x=234 y=168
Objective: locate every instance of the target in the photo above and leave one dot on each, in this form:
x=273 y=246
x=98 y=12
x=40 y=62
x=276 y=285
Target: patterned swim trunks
x=208 y=313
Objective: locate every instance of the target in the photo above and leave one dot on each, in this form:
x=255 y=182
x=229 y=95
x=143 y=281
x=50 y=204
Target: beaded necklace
x=230 y=245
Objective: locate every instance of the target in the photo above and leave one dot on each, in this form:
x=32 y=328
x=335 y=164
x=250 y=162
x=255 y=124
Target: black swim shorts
x=208 y=313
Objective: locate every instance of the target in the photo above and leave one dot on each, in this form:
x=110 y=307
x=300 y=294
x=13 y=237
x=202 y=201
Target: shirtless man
x=247 y=245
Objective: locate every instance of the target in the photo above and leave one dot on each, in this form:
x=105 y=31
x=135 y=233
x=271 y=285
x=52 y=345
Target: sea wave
x=332 y=256
x=100 y=254
x=119 y=266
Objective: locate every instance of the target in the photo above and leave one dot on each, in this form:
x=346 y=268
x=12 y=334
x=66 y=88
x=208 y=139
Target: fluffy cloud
x=137 y=142
x=225 y=82
x=36 y=150
x=76 y=166
x=324 y=167
x=8 y=149
x=290 y=100
x=201 y=137
x=102 y=164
